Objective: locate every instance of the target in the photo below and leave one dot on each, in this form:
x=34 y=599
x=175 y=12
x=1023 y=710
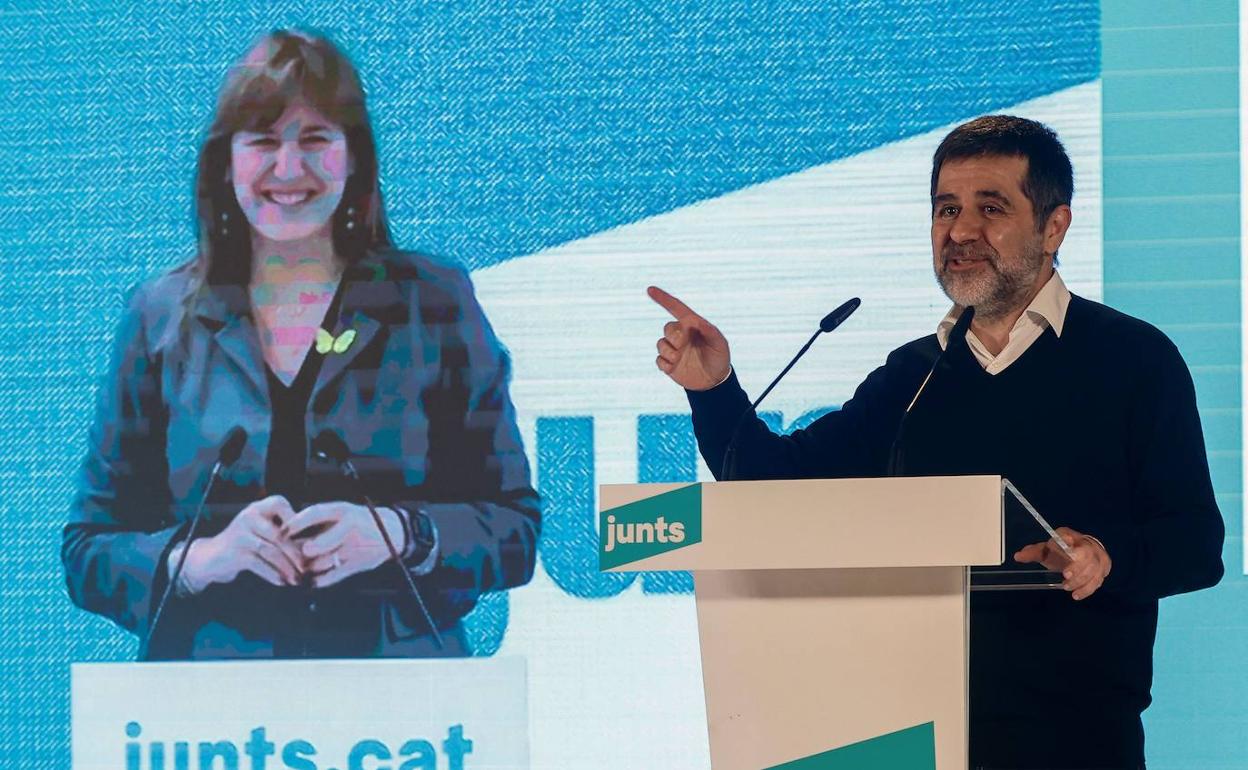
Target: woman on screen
x=298 y=349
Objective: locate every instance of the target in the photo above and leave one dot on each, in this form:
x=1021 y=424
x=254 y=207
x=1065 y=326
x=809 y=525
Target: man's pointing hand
x=691 y=351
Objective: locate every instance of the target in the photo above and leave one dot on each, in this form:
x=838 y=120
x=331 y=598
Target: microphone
x=896 y=453
x=328 y=446
x=231 y=450
x=838 y=316
x=830 y=321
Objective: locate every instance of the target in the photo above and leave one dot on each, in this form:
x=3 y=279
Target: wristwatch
x=420 y=535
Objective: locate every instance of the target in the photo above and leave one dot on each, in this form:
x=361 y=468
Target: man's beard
x=997 y=288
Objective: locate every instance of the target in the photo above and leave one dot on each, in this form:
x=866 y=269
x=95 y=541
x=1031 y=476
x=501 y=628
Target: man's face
x=986 y=249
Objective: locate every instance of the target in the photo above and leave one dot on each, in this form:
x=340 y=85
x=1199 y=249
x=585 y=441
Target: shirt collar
x=1048 y=308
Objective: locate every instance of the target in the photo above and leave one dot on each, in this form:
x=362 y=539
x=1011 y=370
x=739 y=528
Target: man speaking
x=1091 y=413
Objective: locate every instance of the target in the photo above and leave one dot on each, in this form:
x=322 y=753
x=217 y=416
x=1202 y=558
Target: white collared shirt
x=1047 y=309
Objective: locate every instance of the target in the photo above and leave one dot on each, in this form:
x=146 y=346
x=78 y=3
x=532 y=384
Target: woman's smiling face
x=289 y=179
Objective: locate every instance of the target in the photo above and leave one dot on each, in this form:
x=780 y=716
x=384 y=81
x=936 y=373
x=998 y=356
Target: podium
x=832 y=614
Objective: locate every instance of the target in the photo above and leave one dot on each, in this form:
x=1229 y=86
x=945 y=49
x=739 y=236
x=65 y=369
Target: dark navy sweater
x=1099 y=430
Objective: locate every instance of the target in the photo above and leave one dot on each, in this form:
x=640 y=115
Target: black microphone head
x=838 y=316
x=232 y=447
x=328 y=445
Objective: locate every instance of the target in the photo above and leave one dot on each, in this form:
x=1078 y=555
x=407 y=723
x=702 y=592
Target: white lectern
x=832 y=614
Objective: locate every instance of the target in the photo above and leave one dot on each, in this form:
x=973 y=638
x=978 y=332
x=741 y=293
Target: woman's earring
x=225 y=223
x=350 y=217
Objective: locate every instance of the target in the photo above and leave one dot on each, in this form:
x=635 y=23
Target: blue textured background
x=505 y=129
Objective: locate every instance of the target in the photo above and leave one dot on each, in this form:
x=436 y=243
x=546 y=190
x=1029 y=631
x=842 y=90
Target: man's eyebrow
x=944 y=198
x=994 y=194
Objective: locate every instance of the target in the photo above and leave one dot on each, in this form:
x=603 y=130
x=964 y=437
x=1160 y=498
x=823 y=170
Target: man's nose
x=289 y=162
x=966 y=227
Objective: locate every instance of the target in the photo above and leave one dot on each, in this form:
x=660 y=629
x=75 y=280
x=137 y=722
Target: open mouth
x=289 y=198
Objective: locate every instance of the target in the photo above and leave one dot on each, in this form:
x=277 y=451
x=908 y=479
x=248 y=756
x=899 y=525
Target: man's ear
x=1055 y=228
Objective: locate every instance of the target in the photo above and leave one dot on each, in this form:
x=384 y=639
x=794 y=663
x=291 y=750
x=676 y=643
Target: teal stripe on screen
x=1171 y=203
x=1137 y=134
x=1152 y=260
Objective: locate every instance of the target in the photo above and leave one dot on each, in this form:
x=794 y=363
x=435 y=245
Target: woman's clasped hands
x=318 y=546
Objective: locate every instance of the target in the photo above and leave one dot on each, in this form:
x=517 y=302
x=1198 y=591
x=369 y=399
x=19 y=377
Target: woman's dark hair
x=282 y=69
x=1050 y=179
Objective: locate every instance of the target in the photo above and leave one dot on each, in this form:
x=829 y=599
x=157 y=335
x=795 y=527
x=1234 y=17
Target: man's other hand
x=1082 y=575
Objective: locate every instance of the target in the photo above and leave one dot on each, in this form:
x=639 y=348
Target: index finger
x=312 y=516
x=1029 y=553
x=273 y=507
x=669 y=303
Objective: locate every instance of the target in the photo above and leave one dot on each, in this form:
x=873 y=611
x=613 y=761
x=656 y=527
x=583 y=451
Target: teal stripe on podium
x=913 y=748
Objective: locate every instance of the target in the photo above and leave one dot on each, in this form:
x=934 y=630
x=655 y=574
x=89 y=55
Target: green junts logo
x=649 y=527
